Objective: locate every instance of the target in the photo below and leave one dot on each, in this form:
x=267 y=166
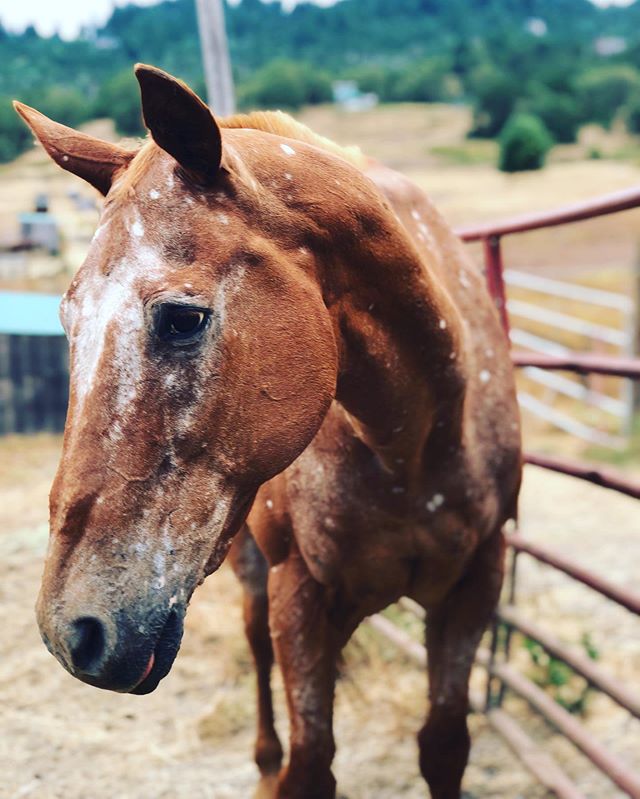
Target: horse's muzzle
x=120 y=655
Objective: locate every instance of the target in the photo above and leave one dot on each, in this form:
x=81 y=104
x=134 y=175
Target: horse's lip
x=163 y=655
x=147 y=671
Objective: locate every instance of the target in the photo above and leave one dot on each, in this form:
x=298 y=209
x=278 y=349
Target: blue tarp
x=27 y=314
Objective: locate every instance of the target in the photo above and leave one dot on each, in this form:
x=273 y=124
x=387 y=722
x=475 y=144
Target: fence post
x=634 y=338
x=495 y=279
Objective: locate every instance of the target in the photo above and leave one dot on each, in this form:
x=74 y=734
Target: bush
x=119 y=99
x=524 y=143
x=605 y=90
x=285 y=84
x=15 y=137
x=632 y=113
x=561 y=113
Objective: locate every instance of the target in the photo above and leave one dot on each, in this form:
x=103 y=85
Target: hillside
x=348 y=34
x=567 y=61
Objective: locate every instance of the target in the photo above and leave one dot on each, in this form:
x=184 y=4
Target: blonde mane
x=275 y=122
x=282 y=124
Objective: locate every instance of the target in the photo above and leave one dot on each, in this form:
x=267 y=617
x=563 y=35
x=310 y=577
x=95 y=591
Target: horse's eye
x=180 y=323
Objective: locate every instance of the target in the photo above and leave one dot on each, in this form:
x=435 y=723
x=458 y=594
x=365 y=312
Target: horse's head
x=202 y=363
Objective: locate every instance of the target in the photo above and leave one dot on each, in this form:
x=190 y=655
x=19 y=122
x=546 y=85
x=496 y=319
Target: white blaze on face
x=110 y=305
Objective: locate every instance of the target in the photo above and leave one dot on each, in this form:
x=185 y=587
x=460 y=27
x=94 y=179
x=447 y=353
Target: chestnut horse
x=276 y=340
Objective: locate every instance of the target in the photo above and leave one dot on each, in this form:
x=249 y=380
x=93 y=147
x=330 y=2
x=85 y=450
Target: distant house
x=536 y=26
x=347 y=94
x=34 y=370
x=39 y=229
x=610 y=45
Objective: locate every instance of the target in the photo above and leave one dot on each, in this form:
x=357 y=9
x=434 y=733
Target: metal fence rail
x=495 y=661
x=516 y=311
x=594 y=333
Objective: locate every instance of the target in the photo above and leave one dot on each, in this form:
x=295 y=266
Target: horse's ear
x=93 y=160
x=180 y=123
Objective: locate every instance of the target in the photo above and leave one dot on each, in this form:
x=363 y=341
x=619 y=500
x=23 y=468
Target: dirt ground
x=192 y=738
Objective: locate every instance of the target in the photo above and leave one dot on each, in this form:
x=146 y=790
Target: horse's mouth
x=163 y=655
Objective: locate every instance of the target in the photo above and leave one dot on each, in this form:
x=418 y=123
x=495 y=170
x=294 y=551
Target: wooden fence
x=34 y=377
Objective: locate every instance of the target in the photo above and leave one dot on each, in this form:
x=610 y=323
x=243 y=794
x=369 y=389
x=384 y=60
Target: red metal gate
x=501 y=674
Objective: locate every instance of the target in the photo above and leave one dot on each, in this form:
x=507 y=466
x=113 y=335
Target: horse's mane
x=275 y=122
x=282 y=124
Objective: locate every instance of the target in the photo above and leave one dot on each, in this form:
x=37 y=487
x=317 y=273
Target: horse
x=278 y=351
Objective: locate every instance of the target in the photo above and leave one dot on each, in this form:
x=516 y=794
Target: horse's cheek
x=276 y=385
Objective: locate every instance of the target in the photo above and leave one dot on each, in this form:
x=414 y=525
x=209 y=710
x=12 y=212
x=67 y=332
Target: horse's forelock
x=139 y=166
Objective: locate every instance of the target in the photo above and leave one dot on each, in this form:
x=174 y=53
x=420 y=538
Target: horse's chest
x=359 y=528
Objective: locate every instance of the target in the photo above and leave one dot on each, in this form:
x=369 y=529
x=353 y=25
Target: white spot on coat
x=435 y=502
x=154 y=194
x=287 y=150
x=99 y=231
x=485 y=376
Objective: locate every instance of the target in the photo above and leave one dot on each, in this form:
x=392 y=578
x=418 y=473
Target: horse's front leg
x=250 y=567
x=454 y=629
x=306 y=648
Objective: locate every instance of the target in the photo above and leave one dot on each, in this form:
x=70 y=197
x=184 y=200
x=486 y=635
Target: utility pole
x=215 y=57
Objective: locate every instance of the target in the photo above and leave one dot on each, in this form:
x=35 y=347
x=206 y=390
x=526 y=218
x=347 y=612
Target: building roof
x=29 y=314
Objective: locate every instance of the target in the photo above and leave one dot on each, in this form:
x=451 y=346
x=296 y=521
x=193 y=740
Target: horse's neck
x=400 y=341
x=399 y=337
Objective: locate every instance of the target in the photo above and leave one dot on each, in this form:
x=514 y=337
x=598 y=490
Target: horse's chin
x=162 y=658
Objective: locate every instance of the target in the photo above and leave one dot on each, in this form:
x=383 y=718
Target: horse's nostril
x=87 y=643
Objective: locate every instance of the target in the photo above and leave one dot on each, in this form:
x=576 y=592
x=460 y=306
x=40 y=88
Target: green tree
x=561 y=113
x=632 y=113
x=603 y=91
x=524 y=143
x=496 y=95
x=14 y=134
x=374 y=78
x=119 y=99
x=317 y=85
x=285 y=84
x=66 y=105
x=427 y=81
